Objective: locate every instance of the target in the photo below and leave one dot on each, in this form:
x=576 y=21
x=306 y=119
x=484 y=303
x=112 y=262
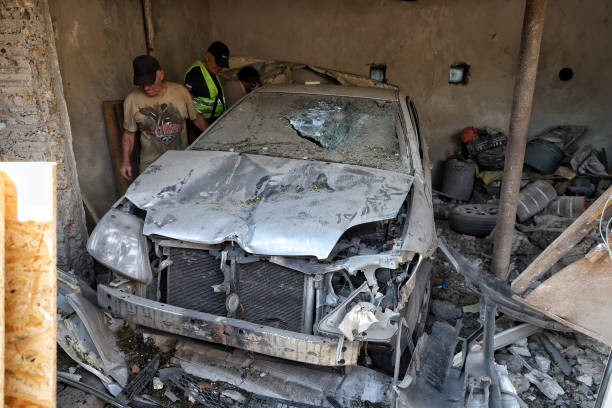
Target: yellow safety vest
x=205 y=105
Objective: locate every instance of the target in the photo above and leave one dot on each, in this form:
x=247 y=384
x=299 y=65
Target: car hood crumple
x=267 y=205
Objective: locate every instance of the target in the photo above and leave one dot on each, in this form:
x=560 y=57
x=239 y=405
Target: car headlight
x=117 y=243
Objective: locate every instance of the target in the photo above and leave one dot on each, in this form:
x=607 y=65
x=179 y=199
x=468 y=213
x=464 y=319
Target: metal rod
x=396 y=368
x=524 y=85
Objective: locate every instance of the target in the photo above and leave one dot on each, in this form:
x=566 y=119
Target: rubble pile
x=560 y=180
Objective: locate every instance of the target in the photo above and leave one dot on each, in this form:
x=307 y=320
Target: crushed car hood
x=267 y=205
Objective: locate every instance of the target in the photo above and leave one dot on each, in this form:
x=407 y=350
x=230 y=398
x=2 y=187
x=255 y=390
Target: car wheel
x=473 y=219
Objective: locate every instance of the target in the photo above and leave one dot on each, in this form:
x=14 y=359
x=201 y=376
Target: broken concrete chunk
x=545 y=384
x=585 y=379
x=521 y=351
x=171 y=396
x=445 y=310
x=157 y=383
x=542 y=362
x=520 y=382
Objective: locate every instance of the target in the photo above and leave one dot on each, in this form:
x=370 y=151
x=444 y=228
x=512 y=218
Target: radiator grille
x=190 y=280
x=270 y=295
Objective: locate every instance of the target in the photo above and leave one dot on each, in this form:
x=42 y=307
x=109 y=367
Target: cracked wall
x=34 y=124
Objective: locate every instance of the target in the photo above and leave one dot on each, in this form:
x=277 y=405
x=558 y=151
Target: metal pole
x=533 y=24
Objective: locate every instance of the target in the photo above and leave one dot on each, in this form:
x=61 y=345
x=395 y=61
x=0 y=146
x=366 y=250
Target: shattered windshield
x=351 y=130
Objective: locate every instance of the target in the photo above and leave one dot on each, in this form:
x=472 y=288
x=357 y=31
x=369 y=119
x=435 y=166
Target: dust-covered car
x=298 y=226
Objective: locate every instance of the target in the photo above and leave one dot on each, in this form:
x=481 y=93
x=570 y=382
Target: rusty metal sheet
x=579 y=296
x=275 y=342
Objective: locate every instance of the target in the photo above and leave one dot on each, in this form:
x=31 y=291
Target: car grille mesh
x=190 y=280
x=270 y=295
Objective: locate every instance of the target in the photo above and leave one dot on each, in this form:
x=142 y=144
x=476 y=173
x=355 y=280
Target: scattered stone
x=445 y=310
x=587 y=366
x=514 y=364
x=542 y=362
x=521 y=351
x=572 y=351
x=157 y=384
x=171 y=396
x=585 y=379
x=191 y=399
x=234 y=395
x=72 y=370
x=546 y=384
x=585 y=341
x=521 y=384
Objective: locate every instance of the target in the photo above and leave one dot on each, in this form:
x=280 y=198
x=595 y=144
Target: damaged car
x=299 y=225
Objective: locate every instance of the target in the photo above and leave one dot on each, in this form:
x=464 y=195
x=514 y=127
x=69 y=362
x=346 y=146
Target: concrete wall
x=420 y=40
x=34 y=123
x=182 y=34
x=96 y=43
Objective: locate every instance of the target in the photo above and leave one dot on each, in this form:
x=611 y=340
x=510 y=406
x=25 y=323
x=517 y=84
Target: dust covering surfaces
x=330 y=128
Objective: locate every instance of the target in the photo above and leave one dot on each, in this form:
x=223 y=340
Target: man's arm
x=200 y=122
x=127 y=146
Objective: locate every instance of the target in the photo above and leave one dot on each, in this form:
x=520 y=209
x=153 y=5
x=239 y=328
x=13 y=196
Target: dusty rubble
x=536 y=376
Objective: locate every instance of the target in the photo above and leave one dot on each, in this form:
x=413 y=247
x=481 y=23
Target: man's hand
x=126 y=171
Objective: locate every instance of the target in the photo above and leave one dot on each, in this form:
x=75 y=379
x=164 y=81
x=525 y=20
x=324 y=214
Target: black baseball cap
x=145 y=67
x=221 y=53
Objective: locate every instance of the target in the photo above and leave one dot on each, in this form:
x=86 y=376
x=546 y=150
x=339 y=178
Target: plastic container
x=458 y=180
x=534 y=198
x=570 y=206
x=543 y=155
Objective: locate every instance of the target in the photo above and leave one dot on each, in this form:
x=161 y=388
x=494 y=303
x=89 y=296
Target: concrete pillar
x=34 y=124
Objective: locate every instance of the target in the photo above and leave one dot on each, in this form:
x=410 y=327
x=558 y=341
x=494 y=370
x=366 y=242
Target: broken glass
x=332 y=128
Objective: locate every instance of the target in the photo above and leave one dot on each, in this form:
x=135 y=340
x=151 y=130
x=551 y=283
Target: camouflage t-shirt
x=160 y=119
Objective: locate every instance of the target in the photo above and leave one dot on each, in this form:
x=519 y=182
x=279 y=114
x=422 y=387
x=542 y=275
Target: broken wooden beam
x=564 y=242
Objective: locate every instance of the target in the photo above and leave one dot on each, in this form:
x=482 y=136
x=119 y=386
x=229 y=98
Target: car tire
x=473 y=219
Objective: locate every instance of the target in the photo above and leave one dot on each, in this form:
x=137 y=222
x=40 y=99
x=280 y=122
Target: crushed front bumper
x=289 y=345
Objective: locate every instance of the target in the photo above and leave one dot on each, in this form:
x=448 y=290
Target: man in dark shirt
x=203 y=82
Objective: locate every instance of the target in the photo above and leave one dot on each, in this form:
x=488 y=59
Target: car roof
x=338 y=90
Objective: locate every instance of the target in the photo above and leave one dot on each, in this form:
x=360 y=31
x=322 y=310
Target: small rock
x=585 y=379
x=514 y=364
x=584 y=389
x=546 y=384
x=263 y=374
x=157 y=384
x=521 y=384
x=234 y=395
x=542 y=362
x=72 y=370
x=521 y=351
x=445 y=310
x=521 y=342
x=204 y=385
x=191 y=399
x=135 y=368
x=572 y=351
x=588 y=342
x=171 y=396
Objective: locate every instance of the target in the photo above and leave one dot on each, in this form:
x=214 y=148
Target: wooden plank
x=564 y=242
x=2 y=234
x=579 y=296
x=30 y=284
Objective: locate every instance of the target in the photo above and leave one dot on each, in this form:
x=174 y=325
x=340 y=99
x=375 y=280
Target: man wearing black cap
x=203 y=82
x=158 y=109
